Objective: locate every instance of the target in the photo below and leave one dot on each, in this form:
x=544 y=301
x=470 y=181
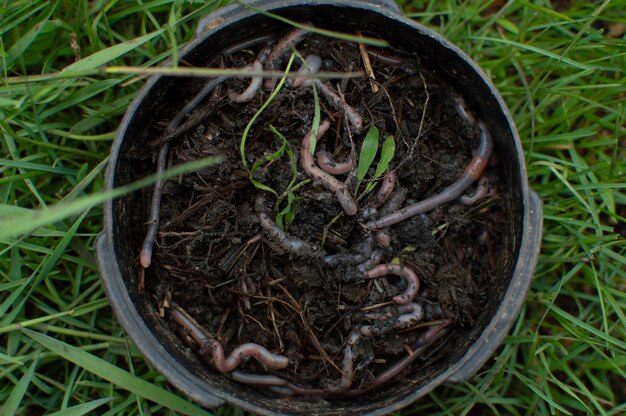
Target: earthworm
x=288 y=243
x=347 y=366
x=373 y=260
x=431 y=336
x=250 y=92
x=328 y=165
x=355 y=119
x=362 y=254
x=386 y=189
x=394 y=202
x=327 y=180
x=311 y=65
x=383 y=238
x=283 y=46
x=481 y=191
x=145 y=256
x=208 y=343
x=459 y=104
x=258 y=379
x=412 y=281
x=472 y=172
x=385 y=59
x=410 y=314
x=261 y=354
x=190 y=325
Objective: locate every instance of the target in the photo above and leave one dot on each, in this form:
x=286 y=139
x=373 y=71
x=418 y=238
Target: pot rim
x=478 y=352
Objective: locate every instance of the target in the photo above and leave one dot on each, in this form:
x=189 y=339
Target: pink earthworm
x=145 y=256
x=481 y=191
x=467 y=116
x=426 y=340
x=409 y=314
x=373 y=260
x=412 y=281
x=386 y=189
x=258 y=379
x=283 y=46
x=250 y=92
x=212 y=345
x=347 y=365
x=383 y=238
x=274 y=233
x=261 y=354
x=472 y=172
x=362 y=254
x=354 y=118
x=328 y=165
x=183 y=319
x=327 y=180
x=310 y=66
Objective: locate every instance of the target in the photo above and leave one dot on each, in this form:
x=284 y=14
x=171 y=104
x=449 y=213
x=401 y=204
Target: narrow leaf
x=14 y=400
x=368 y=152
x=82 y=409
x=386 y=154
x=117 y=376
x=107 y=55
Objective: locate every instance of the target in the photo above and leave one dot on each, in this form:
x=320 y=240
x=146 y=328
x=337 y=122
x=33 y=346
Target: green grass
x=562 y=78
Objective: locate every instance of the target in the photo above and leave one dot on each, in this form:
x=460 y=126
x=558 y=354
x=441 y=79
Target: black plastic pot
x=229 y=26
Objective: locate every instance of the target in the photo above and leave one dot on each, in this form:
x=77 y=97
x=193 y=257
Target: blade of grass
x=12 y=404
x=25 y=222
x=83 y=409
x=117 y=376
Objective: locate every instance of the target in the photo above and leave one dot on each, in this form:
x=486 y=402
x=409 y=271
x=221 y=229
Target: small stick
x=368 y=66
x=327 y=180
x=327 y=164
x=385 y=59
x=273 y=232
x=472 y=172
x=412 y=281
x=355 y=119
x=250 y=92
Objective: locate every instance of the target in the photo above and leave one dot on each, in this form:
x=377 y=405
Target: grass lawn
x=558 y=64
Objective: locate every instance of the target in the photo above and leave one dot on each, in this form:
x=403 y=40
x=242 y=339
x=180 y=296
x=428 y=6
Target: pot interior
x=401 y=34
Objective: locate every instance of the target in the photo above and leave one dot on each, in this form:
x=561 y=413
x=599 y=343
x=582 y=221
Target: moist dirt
x=213 y=259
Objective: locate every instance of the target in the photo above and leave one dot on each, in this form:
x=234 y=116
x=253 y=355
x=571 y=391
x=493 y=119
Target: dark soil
x=213 y=259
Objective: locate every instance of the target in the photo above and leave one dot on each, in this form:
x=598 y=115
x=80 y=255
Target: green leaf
x=316 y=119
x=24 y=221
x=386 y=154
x=13 y=402
x=244 y=136
x=117 y=376
x=82 y=409
x=107 y=55
x=369 y=148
